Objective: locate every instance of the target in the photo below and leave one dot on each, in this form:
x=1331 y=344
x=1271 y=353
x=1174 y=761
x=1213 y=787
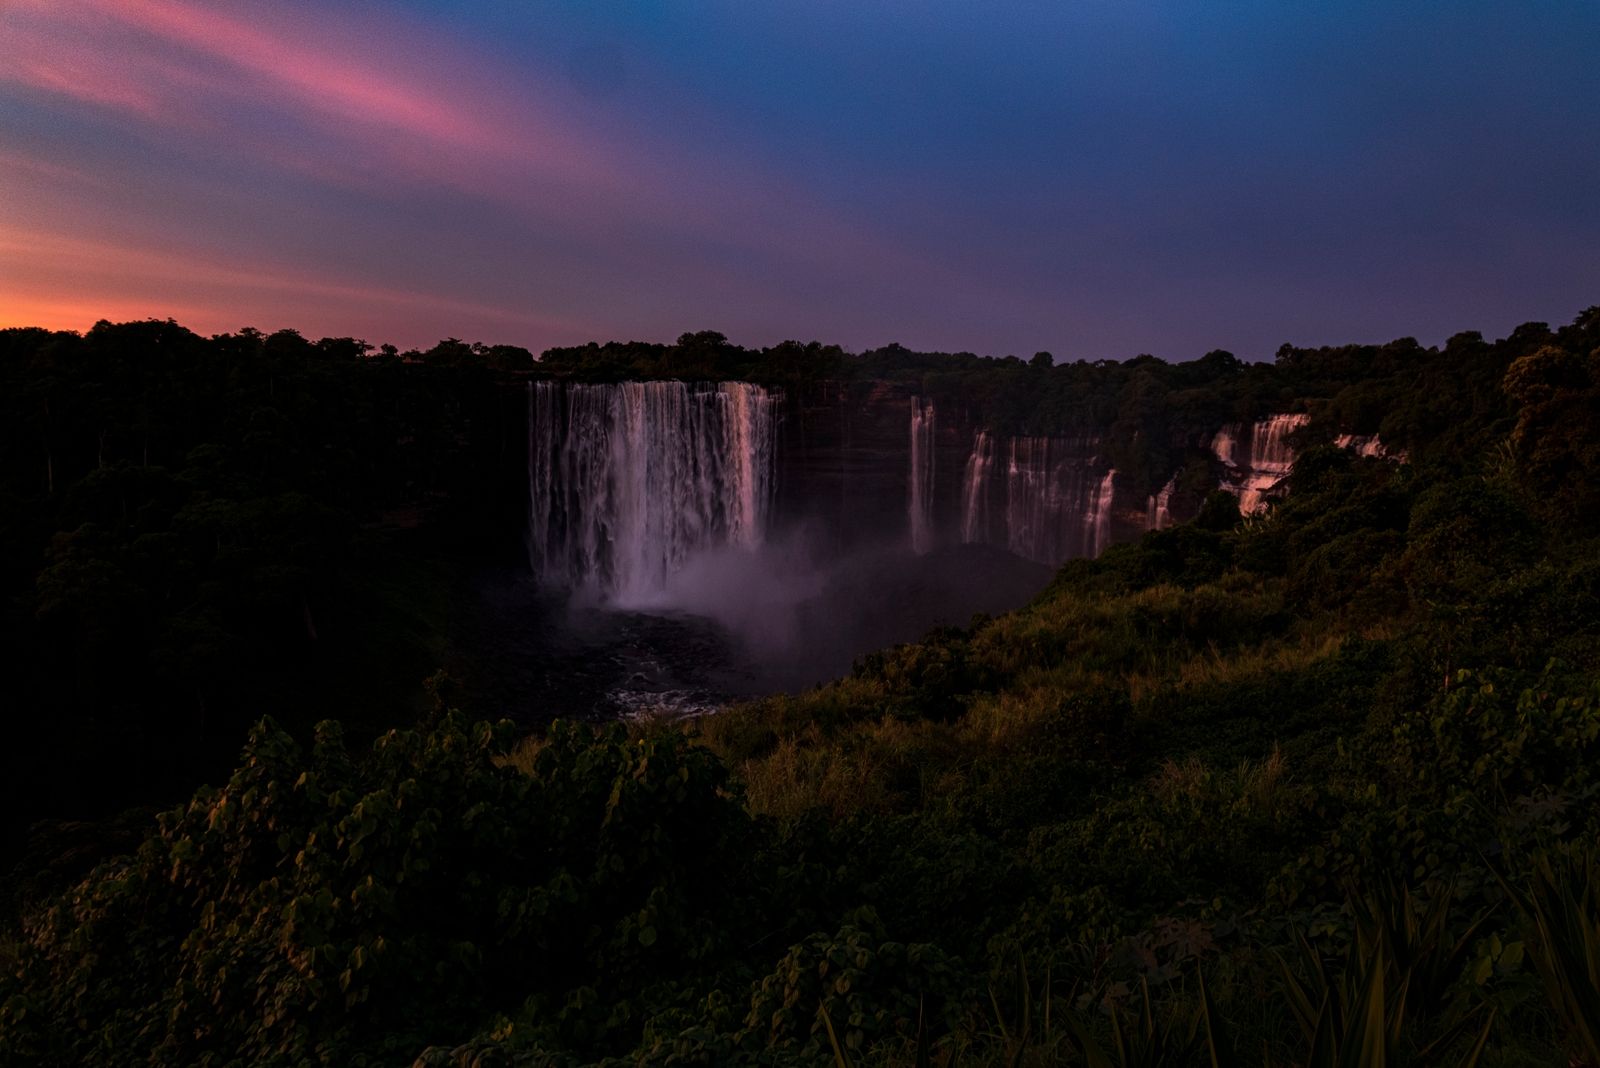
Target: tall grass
x=1561 y=904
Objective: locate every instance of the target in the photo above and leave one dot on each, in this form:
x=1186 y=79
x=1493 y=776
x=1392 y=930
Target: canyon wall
x=627 y=481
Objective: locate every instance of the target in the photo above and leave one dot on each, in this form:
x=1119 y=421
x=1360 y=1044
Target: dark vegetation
x=1311 y=788
x=197 y=532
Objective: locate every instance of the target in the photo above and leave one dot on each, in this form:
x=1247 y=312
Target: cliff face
x=626 y=481
x=880 y=463
x=846 y=464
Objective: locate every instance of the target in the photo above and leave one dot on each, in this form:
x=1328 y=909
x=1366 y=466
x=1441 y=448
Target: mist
x=730 y=623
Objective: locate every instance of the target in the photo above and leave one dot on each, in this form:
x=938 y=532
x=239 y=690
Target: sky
x=1095 y=178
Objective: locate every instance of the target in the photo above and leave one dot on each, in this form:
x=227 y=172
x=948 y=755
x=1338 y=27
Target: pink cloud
x=318 y=79
x=89 y=87
x=47 y=169
x=359 y=81
x=125 y=278
x=493 y=133
x=70 y=50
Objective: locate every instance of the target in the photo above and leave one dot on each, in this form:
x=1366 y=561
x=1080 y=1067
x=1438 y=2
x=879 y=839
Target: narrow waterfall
x=1225 y=445
x=919 y=505
x=1257 y=457
x=545 y=427
x=626 y=481
x=975 y=489
x=1097 y=521
x=1158 y=506
x=1056 y=507
x=1055 y=504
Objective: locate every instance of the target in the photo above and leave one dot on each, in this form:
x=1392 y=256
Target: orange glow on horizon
x=132 y=283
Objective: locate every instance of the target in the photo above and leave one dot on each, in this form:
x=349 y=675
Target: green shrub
x=325 y=908
x=873 y=990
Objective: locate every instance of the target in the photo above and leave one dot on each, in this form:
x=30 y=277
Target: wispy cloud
x=138 y=282
x=170 y=62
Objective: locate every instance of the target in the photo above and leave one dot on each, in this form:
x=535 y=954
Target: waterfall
x=919 y=505
x=1368 y=445
x=749 y=446
x=1257 y=457
x=975 y=489
x=1158 y=506
x=1056 y=508
x=1360 y=444
x=544 y=440
x=1056 y=505
x=1225 y=443
x=1097 y=523
x=626 y=481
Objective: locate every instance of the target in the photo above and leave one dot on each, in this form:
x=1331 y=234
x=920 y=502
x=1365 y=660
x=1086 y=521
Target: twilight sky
x=1094 y=177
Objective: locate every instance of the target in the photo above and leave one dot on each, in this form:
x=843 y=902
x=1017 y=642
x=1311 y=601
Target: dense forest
x=196 y=532
x=1310 y=787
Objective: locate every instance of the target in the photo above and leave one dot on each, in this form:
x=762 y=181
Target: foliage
x=1561 y=905
x=855 y=985
x=195 y=532
x=1397 y=978
x=321 y=904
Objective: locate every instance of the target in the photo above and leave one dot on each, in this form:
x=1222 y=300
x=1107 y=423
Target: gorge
x=802 y=528
x=627 y=482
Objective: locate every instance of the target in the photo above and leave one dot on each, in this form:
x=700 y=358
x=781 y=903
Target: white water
x=1158 y=506
x=1225 y=443
x=1097 y=530
x=1368 y=445
x=1055 y=505
x=919 y=505
x=1258 y=457
x=626 y=482
x=975 y=489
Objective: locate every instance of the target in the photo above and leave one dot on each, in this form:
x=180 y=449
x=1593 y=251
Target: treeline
x=194 y=531
x=1157 y=417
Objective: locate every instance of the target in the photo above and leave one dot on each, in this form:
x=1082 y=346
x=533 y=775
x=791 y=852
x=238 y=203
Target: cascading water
x=626 y=481
x=1258 y=458
x=1226 y=443
x=975 y=489
x=544 y=449
x=1368 y=445
x=919 y=506
x=1097 y=522
x=1055 y=504
x=1158 y=507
